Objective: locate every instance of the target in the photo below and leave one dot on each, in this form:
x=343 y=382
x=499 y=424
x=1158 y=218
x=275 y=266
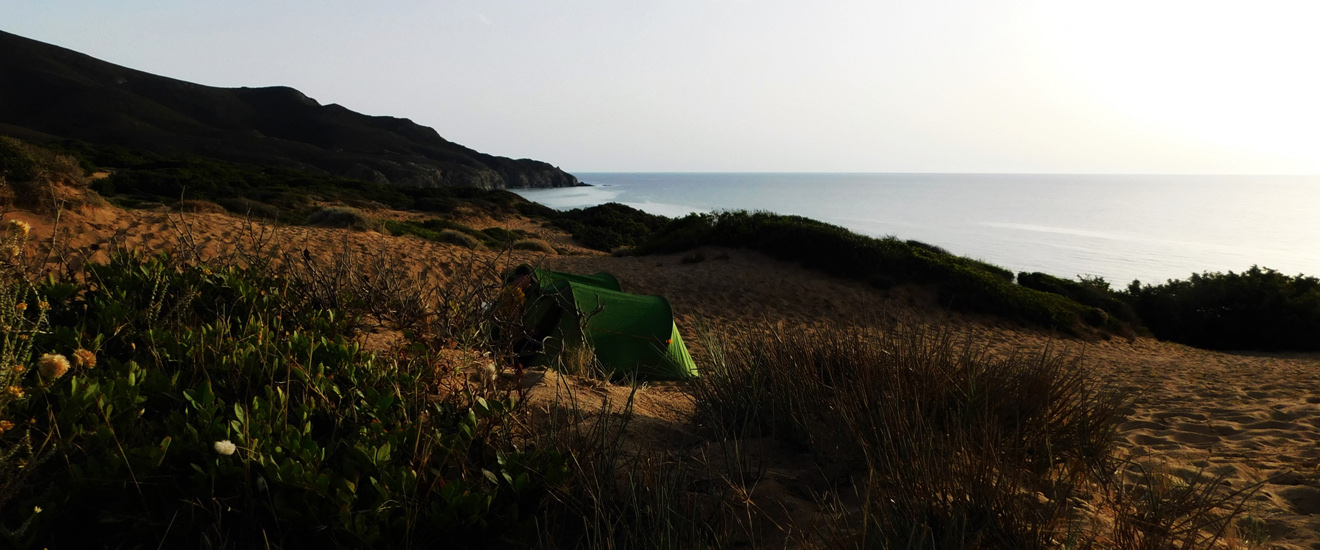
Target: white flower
x=225 y=447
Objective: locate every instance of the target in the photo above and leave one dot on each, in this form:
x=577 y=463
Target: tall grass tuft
x=617 y=497
x=948 y=445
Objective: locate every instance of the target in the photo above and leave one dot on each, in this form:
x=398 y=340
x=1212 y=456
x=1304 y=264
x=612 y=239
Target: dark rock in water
x=48 y=92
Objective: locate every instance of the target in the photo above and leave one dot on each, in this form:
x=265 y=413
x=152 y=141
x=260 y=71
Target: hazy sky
x=1146 y=86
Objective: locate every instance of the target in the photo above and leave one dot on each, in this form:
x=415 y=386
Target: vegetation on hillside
x=1257 y=309
x=140 y=178
x=609 y=226
x=963 y=284
x=232 y=404
x=1110 y=309
x=154 y=401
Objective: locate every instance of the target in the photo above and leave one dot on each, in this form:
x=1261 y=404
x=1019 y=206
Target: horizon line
x=809 y=172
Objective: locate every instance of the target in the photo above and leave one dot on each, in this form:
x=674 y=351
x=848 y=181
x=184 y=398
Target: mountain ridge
x=48 y=91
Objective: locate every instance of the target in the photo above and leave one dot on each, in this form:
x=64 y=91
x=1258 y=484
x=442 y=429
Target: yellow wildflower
x=5 y=426
x=53 y=365
x=43 y=305
x=20 y=306
x=18 y=369
x=20 y=227
x=15 y=391
x=84 y=358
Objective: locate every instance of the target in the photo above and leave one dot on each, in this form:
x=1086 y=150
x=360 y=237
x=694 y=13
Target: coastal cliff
x=48 y=93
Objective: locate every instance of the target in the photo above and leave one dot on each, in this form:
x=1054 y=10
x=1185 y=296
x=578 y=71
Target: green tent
x=630 y=333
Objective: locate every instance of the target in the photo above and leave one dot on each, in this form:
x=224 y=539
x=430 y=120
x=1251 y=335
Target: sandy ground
x=1248 y=417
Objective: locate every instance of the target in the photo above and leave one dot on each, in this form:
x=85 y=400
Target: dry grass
x=947 y=445
x=534 y=245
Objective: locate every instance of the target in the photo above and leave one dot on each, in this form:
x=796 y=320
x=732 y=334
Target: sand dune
x=1250 y=418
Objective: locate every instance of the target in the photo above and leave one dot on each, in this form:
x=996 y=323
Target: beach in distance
x=1121 y=227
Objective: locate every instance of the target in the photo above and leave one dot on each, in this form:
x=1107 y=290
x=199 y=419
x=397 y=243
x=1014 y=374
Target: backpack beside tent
x=630 y=334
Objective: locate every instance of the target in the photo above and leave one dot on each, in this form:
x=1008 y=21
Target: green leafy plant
x=962 y=283
x=224 y=408
x=1259 y=308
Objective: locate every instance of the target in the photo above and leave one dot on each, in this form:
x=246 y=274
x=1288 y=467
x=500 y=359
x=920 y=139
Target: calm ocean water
x=1119 y=227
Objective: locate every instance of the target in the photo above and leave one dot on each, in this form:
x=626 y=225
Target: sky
x=1010 y=86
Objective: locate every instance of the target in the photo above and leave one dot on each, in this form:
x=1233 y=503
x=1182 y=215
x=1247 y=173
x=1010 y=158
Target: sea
x=1150 y=228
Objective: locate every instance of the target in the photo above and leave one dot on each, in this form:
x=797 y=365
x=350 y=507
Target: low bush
x=16 y=161
x=443 y=230
x=441 y=224
x=340 y=217
x=459 y=238
x=248 y=207
x=1118 y=316
x=498 y=237
x=963 y=283
x=399 y=228
x=609 y=226
x=198 y=407
x=1258 y=309
x=534 y=245
x=40 y=179
x=198 y=206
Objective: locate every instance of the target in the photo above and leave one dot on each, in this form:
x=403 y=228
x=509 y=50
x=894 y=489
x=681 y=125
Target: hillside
x=357 y=390
x=52 y=93
x=1202 y=420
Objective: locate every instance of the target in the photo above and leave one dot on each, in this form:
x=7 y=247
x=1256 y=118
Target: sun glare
x=1225 y=74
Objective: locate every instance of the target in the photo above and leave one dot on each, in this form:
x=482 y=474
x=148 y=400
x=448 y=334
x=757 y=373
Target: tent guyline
x=629 y=334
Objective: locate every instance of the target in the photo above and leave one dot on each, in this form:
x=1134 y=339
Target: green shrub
x=927 y=247
x=459 y=238
x=609 y=226
x=16 y=161
x=228 y=408
x=398 y=228
x=340 y=217
x=35 y=175
x=1090 y=291
x=248 y=207
x=191 y=205
x=498 y=237
x=1258 y=309
x=963 y=283
x=440 y=224
x=440 y=205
